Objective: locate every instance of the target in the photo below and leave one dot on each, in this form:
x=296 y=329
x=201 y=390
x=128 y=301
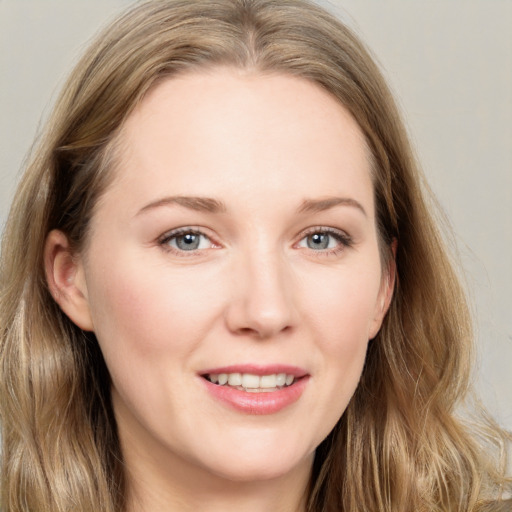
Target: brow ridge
x=211 y=205
x=320 y=205
x=203 y=204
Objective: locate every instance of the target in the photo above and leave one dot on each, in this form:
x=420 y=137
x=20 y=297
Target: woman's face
x=237 y=242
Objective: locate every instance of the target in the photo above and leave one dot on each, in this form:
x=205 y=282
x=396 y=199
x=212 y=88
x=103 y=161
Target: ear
x=66 y=279
x=387 y=288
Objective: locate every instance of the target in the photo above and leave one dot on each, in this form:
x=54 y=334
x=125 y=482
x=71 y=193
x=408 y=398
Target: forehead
x=208 y=133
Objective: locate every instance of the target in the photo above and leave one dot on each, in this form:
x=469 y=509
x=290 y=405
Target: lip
x=257 y=403
x=256 y=369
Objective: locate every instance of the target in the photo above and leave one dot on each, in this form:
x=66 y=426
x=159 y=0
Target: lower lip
x=258 y=403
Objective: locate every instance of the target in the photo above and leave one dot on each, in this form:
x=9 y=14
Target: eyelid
x=163 y=240
x=345 y=240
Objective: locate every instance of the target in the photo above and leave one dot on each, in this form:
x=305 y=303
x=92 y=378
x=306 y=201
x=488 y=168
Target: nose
x=262 y=302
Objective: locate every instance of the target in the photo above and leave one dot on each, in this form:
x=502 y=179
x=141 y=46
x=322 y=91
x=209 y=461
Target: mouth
x=251 y=382
x=253 y=389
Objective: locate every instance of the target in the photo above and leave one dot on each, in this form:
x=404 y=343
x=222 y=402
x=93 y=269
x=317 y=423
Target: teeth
x=268 y=381
x=251 y=382
x=235 y=379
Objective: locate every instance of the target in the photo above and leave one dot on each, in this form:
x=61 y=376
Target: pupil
x=188 y=241
x=319 y=241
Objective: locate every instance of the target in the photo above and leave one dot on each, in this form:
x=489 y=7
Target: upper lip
x=256 y=369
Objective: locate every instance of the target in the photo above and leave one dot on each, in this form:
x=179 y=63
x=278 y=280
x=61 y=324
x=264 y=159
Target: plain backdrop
x=450 y=65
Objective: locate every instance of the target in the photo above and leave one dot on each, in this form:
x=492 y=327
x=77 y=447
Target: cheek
x=149 y=321
x=343 y=340
x=341 y=316
x=343 y=305
x=145 y=311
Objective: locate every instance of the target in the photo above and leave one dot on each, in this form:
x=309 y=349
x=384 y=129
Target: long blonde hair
x=399 y=446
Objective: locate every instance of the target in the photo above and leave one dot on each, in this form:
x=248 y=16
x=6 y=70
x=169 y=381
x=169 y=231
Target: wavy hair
x=400 y=445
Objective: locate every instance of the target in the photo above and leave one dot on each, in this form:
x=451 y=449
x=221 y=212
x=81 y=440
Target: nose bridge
x=262 y=297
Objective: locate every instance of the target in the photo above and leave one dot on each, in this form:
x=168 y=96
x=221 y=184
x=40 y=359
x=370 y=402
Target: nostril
x=263 y=332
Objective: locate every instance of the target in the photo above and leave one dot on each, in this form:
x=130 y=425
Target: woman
x=222 y=286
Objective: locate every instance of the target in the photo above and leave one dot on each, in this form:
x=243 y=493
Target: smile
x=252 y=383
x=253 y=389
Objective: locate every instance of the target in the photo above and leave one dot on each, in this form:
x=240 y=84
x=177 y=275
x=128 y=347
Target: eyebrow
x=201 y=204
x=211 y=205
x=320 y=205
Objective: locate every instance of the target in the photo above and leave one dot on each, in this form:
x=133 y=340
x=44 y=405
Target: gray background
x=450 y=65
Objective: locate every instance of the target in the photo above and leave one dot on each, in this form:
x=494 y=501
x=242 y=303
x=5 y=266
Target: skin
x=256 y=290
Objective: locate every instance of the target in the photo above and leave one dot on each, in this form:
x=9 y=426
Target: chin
x=262 y=466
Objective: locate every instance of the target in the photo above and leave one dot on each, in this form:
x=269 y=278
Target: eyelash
x=164 y=240
x=345 y=240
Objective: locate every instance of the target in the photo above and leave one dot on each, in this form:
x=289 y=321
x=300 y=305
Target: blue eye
x=319 y=241
x=186 y=241
x=325 y=240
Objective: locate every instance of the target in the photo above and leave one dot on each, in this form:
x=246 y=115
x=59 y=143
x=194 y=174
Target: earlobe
x=66 y=280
